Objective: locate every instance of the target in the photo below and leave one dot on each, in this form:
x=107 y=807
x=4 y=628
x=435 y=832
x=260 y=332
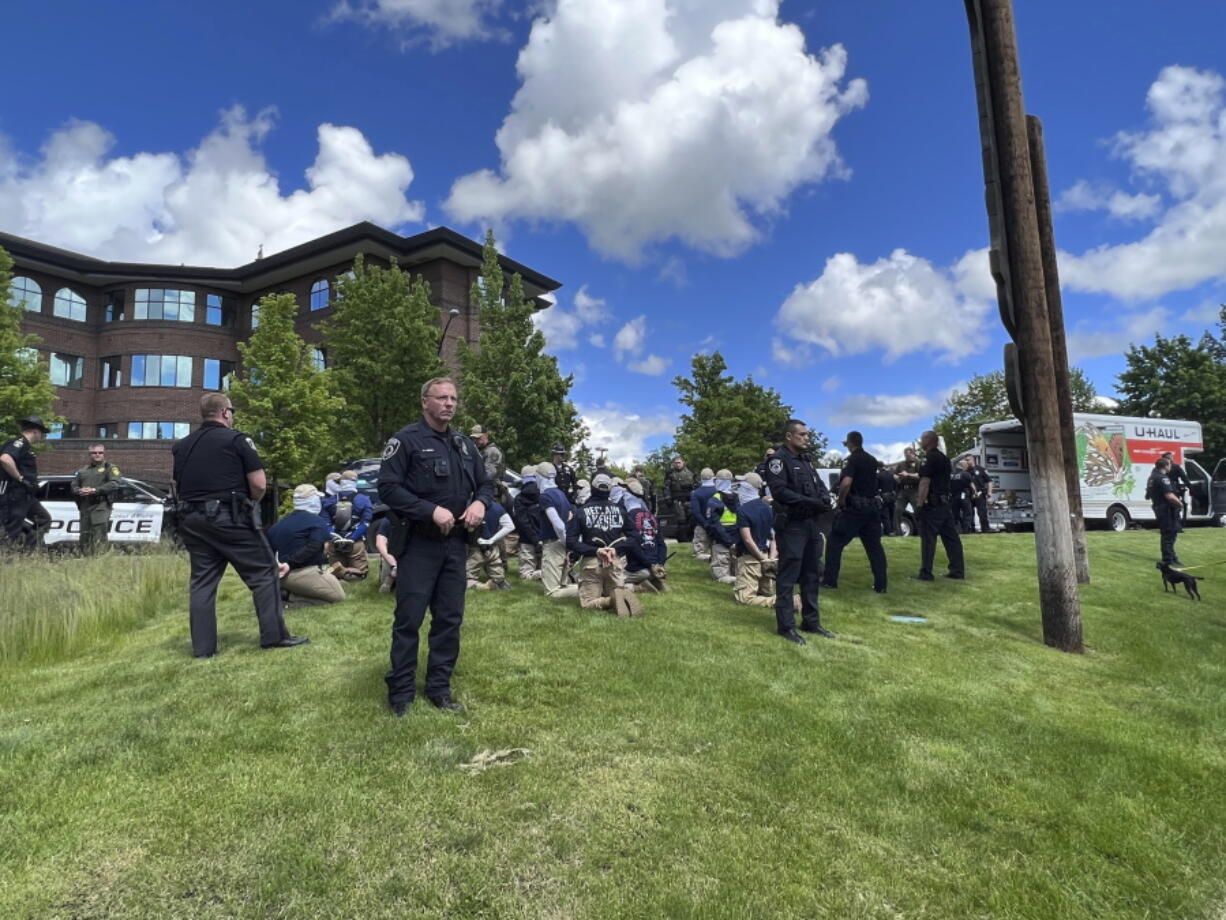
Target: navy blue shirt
x=493 y=516
x=937 y=469
x=759 y=517
x=553 y=498
x=298 y=539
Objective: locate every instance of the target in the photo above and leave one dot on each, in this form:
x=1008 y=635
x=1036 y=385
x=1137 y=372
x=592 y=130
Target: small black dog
x=1175 y=578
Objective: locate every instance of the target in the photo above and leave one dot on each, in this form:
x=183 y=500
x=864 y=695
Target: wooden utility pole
x=1017 y=266
x=1059 y=345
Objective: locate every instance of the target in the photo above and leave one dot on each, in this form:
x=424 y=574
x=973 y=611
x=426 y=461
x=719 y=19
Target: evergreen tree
x=584 y=461
x=508 y=383
x=1173 y=378
x=284 y=403
x=984 y=400
x=731 y=422
x=383 y=340
x=25 y=384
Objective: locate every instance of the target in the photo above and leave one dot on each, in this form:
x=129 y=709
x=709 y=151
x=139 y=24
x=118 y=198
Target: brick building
x=133 y=347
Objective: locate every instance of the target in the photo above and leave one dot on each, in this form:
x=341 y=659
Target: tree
x=383 y=339
x=507 y=382
x=584 y=461
x=731 y=422
x=1175 y=379
x=25 y=384
x=984 y=400
x=284 y=403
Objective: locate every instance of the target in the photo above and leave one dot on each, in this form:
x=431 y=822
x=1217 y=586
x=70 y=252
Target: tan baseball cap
x=752 y=478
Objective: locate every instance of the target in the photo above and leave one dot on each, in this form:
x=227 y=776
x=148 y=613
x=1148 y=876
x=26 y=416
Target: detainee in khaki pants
x=312 y=585
x=554 y=571
x=602 y=584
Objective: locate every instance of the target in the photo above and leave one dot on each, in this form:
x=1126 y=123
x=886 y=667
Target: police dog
x=1175 y=578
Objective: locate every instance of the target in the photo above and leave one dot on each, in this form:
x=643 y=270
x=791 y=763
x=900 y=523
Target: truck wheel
x=1118 y=519
x=906 y=526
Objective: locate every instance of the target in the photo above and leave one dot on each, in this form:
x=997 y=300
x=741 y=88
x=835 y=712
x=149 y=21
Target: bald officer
x=219 y=479
x=94 y=487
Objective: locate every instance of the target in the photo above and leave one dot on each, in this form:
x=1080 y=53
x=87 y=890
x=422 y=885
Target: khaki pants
x=529 y=561
x=597 y=582
x=701 y=543
x=723 y=564
x=752 y=587
x=355 y=562
x=313 y=583
x=484 y=561
x=387 y=577
x=554 y=571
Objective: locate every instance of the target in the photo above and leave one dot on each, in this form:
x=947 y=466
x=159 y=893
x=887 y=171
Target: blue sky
x=795 y=184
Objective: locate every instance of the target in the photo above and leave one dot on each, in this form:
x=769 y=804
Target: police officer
x=433 y=480
x=678 y=484
x=19 y=487
x=219 y=480
x=934 y=514
x=962 y=496
x=984 y=485
x=859 y=514
x=799 y=497
x=907 y=476
x=1181 y=482
x=886 y=492
x=1168 y=507
x=564 y=477
x=94 y=487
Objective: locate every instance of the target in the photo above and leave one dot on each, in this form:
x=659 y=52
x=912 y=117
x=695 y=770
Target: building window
x=64 y=430
x=255 y=315
x=67 y=370
x=161 y=371
x=158 y=430
x=218 y=310
x=163 y=303
x=111 y=374
x=108 y=430
x=321 y=294
x=69 y=304
x=26 y=293
x=217 y=374
x=113 y=311
x=319 y=358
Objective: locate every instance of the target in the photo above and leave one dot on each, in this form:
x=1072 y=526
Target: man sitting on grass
x=645 y=561
x=485 y=555
x=602 y=540
x=757 y=556
x=299 y=540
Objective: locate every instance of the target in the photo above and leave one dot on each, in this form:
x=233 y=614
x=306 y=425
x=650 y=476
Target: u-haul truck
x=1115 y=456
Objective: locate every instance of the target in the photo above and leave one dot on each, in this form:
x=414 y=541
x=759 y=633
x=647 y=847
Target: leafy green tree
x=1174 y=378
x=383 y=340
x=584 y=461
x=25 y=384
x=984 y=400
x=730 y=422
x=284 y=403
x=507 y=382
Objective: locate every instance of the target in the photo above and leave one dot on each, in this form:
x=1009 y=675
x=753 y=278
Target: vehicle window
x=127 y=492
x=58 y=490
x=1195 y=473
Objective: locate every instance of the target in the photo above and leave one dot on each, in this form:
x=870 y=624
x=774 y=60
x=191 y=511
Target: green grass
x=687 y=764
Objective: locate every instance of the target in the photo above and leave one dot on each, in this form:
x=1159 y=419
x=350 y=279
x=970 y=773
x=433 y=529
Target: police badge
x=775 y=466
x=389 y=450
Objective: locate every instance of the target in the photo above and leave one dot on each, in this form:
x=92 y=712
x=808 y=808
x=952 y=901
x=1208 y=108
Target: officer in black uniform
x=1168 y=507
x=433 y=480
x=887 y=491
x=19 y=487
x=566 y=479
x=962 y=496
x=935 y=517
x=219 y=481
x=983 y=482
x=858 y=515
x=799 y=497
x=1179 y=479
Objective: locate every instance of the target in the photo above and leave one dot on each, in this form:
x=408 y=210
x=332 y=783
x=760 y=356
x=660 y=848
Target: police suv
x=141 y=513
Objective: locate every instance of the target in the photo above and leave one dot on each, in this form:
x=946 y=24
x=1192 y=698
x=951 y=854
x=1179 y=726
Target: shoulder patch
x=390 y=449
x=250 y=443
x=775 y=466
x=17 y=443
x=114 y=471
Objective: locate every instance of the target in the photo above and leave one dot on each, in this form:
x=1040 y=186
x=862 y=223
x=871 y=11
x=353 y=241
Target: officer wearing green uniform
x=907 y=474
x=94 y=488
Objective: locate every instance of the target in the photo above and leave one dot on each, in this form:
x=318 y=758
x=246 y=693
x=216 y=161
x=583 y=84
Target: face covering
x=745 y=492
x=617 y=493
x=632 y=502
x=723 y=485
x=332 y=486
x=311 y=504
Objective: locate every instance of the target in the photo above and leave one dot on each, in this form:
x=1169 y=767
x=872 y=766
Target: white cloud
x=830 y=384
x=624 y=432
x=1083 y=196
x=791 y=354
x=562 y=328
x=215 y=205
x=630 y=338
x=1183 y=155
x=890 y=452
x=652 y=365
x=900 y=304
x=1128 y=329
x=442 y=22
x=884 y=411
x=648 y=120
x=596 y=340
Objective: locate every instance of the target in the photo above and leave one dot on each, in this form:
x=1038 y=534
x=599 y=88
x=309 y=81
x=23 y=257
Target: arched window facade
x=26 y=293
x=321 y=293
x=69 y=304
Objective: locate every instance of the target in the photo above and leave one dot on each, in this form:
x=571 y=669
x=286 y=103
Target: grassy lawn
x=688 y=764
